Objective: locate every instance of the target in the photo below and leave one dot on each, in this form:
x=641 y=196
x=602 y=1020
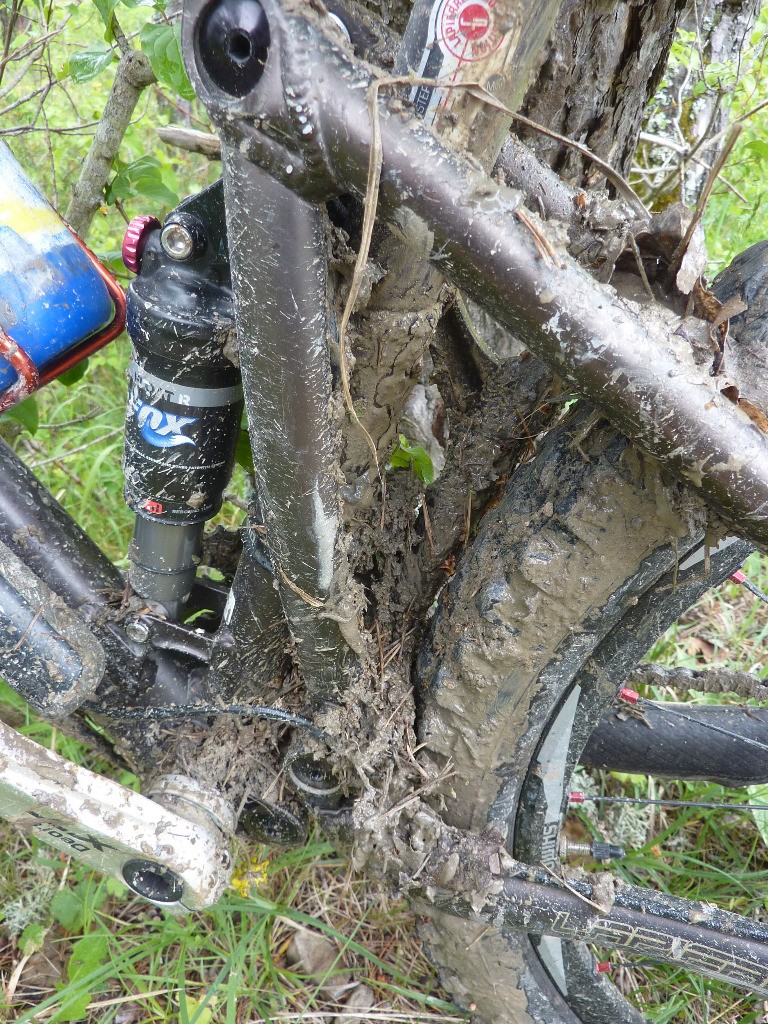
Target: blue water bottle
x=57 y=302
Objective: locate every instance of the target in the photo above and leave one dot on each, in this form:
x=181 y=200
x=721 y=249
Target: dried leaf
x=758 y=418
x=318 y=957
x=360 y=998
x=703 y=649
x=129 y=1013
x=732 y=307
x=44 y=971
x=705 y=305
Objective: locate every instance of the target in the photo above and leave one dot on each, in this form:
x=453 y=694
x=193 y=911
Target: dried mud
x=529 y=603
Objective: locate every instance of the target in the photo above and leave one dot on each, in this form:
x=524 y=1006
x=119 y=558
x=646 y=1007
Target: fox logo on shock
x=162 y=429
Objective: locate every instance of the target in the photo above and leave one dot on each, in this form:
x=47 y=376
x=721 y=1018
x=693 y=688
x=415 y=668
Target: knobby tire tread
x=570 y=580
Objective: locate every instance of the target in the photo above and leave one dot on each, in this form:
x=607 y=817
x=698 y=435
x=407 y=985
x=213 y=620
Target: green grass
x=111 y=953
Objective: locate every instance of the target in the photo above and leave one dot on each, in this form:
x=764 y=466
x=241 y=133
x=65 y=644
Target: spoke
x=677 y=713
x=581 y=798
x=631 y=697
x=742 y=580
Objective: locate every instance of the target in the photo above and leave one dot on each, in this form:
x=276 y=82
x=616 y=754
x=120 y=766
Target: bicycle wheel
x=588 y=558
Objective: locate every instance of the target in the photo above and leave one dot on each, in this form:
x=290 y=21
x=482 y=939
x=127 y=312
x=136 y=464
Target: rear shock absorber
x=185 y=397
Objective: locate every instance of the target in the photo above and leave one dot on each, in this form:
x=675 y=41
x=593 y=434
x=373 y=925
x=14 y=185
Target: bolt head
x=153 y=881
x=137 y=631
x=177 y=241
x=233 y=43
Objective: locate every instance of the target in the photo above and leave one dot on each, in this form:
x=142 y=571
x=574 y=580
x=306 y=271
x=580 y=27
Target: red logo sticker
x=467 y=29
x=153 y=507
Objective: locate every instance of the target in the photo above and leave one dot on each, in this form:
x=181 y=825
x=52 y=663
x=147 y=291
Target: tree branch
x=134 y=74
x=191 y=140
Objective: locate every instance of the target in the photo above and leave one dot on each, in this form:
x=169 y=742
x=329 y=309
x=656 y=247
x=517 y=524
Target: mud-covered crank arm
x=287 y=95
x=171 y=850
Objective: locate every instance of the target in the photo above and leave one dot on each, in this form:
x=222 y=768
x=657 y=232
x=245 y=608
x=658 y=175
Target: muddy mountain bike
x=418 y=669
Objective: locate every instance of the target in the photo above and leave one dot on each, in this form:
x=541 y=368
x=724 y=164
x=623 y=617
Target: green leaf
x=26 y=413
x=422 y=465
x=73 y=1007
x=68 y=909
x=141 y=178
x=73 y=374
x=87 y=954
x=162 y=44
x=106 y=9
x=190 y=619
x=412 y=456
x=759 y=795
x=112 y=259
x=198 y=1011
x=31 y=939
x=87 y=64
x=243 y=453
x=400 y=457
x=115 y=888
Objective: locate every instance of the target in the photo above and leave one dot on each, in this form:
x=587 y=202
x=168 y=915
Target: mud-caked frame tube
x=306 y=118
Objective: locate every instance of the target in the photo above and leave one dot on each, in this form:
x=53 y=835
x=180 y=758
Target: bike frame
x=317 y=124
x=318 y=121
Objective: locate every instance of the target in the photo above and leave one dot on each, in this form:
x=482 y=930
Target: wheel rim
x=571 y=967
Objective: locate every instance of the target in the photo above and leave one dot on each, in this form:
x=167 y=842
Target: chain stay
x=472 y=876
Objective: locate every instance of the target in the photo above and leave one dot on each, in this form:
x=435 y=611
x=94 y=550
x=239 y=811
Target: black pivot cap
x=233 y=44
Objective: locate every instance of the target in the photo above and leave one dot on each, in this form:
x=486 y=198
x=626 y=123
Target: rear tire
x=589 y=557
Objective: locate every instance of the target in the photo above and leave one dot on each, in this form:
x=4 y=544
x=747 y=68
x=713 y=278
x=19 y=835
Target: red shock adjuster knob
x=135 y=239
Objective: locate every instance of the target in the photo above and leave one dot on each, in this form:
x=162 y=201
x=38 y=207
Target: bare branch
x=134 y=74
x=43 y=90
x=21 y=72
x=191 y=140
x=13 y=18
